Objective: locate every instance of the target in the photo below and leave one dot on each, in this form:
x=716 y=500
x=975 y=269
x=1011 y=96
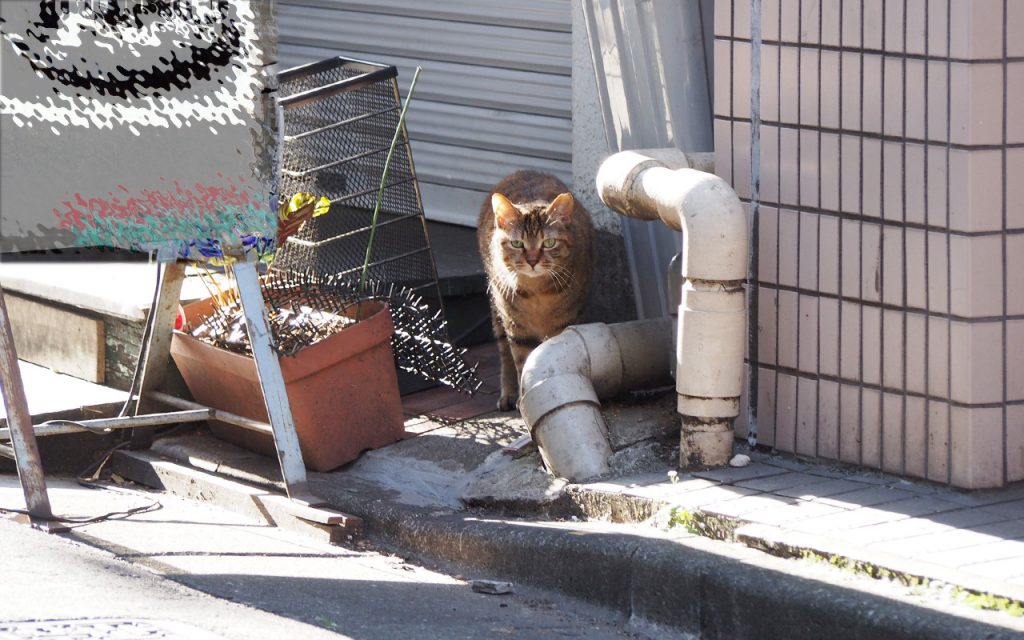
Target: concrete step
x=54 y=396
x=85 y=319
x=866 y=523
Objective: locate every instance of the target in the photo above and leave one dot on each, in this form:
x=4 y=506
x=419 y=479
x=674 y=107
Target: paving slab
x=790 y=513
x=820 y=488
x=729 y=475
x=779 y=482
x=865 y=497
x=846 y=521
x=744 y=507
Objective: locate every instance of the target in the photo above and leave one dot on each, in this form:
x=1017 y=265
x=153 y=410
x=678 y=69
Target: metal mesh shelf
x=339 y=118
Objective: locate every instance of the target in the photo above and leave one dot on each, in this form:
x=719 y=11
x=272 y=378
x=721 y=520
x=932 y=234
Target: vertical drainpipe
x=755 y=211
x=711 y=331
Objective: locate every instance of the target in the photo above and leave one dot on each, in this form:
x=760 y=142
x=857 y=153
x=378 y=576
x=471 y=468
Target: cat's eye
x=549 y=243
x=518 y=244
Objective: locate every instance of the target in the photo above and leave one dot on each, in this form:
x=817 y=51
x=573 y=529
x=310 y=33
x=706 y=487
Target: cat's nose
x=532 y=260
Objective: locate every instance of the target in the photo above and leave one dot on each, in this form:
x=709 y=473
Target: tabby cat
x=536 y=242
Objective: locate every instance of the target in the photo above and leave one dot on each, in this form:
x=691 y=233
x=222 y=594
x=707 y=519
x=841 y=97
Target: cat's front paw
x=507 y=402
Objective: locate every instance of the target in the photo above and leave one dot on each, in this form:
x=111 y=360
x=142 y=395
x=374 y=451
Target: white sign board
x=134 y=123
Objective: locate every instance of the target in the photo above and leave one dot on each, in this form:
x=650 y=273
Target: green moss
x=326 y=623
x=985 y=601
x=989 y=602
x=683 y=518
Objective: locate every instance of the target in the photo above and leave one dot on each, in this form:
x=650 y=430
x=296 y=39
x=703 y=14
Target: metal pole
x=214 y=414
x=23 y=440
x=279 y=410
x=103 y=425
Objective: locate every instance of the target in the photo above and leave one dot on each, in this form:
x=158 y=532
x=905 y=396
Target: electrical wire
x=89 y=478
x=84 y=520
x=147 y=331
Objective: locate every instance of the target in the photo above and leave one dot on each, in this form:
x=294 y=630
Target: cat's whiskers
x=507 y=285
x=557 y=278
x=562 y=275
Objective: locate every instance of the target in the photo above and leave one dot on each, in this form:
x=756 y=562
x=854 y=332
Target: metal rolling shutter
x=495 y=94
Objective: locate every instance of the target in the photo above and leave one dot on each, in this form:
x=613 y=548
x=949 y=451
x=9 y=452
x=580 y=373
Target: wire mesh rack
x=339 y=118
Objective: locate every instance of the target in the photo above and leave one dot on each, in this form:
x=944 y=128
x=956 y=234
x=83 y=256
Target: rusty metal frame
x=23 y=438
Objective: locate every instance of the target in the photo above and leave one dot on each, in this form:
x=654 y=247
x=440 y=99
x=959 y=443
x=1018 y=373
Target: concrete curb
x=699 y=587
x=683 y=584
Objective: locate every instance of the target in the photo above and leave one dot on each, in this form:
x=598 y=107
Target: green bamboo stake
x=383 y=180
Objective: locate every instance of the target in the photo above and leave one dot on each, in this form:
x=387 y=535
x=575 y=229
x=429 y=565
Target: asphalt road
x=191 y=564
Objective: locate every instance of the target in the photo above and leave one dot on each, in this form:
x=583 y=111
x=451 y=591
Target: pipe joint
x=617 y=184
x=552 y=394
x=603 y=357
x=696 y=407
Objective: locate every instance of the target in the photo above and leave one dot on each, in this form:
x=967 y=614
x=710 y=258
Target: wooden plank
x=65 y=341
x=158 y=350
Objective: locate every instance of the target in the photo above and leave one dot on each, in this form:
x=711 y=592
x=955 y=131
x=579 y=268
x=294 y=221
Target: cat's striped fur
x=536 y=242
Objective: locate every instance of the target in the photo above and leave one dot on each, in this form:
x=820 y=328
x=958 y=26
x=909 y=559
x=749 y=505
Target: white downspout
x=565 y=376
x=712 y=310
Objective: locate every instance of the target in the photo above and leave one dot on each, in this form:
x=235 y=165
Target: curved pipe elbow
x=562 y=354
x=561 y=408
x=701 y=204
x=564 y=378
x=712 y=314
x=715 y=234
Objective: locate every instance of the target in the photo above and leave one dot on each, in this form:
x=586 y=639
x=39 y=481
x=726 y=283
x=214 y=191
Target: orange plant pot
x=343 y=390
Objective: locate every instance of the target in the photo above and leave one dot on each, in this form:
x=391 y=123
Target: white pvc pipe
x=712 y=315
x=564 y=378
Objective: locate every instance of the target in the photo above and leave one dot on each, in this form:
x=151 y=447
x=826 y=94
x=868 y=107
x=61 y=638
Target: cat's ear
x=561 y=208
x=505 y=212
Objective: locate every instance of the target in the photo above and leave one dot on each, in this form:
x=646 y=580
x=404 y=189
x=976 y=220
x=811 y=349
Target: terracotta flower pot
x=343 y=390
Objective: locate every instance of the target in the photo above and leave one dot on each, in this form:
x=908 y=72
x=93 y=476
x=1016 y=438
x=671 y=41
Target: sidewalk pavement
x=911 y=529
x=780 y=548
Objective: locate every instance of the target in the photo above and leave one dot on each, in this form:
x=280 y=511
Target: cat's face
x=534 y=237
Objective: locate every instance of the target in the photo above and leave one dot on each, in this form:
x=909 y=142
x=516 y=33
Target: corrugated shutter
x=495 y=94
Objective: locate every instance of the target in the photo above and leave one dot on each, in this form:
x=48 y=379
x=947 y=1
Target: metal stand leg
x=23 y=438
x=158 y=348
x=278 y=409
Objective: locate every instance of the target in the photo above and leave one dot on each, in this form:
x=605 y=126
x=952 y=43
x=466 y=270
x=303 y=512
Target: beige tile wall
x=880 y=153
